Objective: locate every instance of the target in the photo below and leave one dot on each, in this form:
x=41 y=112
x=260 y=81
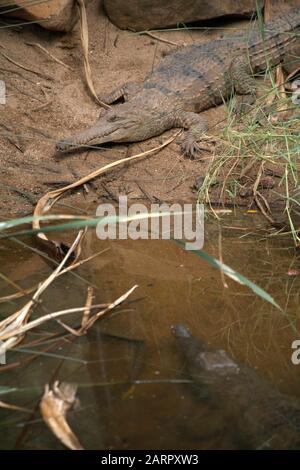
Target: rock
x=148 y=14
x=277 y=8
x=57 y=15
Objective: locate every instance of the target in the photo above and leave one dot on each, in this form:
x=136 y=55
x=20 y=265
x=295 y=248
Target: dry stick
x=23 y=312
x=24 y=67
x=265 y=201
x=235 y=163
x=42 y=106
x=110 y=307
x=49 y=199
x=280 y=81
x=20 y=330
x=9 y=406
x=294 y=72
x=84 y=328
x=154 y=36
x=18 y=73
x=85 y=314
x=50 y=316
x=258 y=178
x=88 y=304
x=84 y=33
x=26 y=93
x=17 y=295
x=43 y=49
x=262 y=209
x=18 y=319
x=257 y=195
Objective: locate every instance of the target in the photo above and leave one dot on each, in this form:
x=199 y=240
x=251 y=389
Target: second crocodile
x=260 y=416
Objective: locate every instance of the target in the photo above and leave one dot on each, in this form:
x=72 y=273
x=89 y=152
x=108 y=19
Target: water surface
x=159 y=410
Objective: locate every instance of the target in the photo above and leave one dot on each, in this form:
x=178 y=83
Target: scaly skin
x=261 y=417
x=189 y=81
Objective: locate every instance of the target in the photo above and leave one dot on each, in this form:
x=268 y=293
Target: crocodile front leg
x=196 y=127
x=126 y=92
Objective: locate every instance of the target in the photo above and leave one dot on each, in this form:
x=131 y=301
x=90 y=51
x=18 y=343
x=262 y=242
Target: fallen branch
x=158 y=38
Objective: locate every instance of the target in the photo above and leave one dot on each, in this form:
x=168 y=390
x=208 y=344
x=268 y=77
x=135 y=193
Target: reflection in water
x=160 y=409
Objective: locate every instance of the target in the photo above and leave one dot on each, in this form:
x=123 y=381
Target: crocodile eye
x=113 y=118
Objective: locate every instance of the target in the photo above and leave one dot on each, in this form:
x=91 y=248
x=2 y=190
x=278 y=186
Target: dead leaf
x=54 y=406
x=84 y=33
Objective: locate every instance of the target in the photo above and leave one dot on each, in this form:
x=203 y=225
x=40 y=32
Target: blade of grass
x=234 y=275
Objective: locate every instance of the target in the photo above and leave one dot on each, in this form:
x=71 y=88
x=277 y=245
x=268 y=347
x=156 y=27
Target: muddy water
x=160 y=410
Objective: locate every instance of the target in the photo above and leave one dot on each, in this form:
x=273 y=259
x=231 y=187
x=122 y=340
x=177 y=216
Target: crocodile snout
x=62 y=146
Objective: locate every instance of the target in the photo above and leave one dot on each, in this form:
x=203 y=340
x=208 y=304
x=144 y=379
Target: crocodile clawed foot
x=192 y=148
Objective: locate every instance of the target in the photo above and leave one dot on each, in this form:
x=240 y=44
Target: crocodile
x=191 y=80
x=261 y=416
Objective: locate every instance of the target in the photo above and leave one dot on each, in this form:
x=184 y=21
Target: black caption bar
x=134 y=459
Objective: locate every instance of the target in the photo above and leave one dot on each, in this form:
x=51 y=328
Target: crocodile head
x=122 y=123
x=204 y=361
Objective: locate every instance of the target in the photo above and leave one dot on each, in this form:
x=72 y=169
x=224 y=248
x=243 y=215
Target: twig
x=258 y=196
x=25 y=194
x=42 y=106
x=43 y=49
x=88 y=303
x=39 y=321
x=9 y=406
x=24 y=67
x=158 y=38
x=294 y=72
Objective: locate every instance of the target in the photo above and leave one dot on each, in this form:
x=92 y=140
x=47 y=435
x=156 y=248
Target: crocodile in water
x=261 y=417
